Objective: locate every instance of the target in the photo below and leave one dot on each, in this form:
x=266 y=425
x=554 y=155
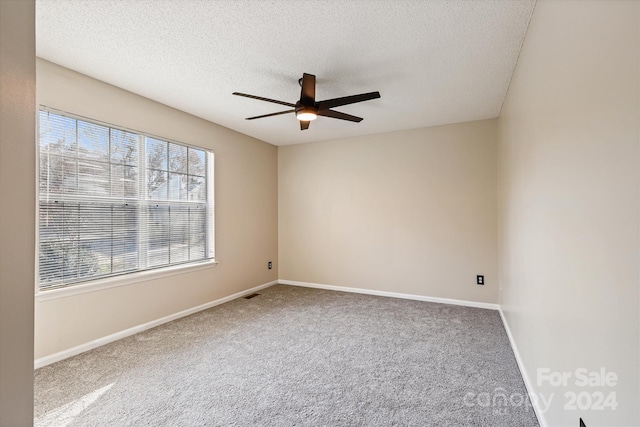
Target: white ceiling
x=434 y=62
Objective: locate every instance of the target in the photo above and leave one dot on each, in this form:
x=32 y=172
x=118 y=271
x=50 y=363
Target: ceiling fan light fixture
x=306 y=114
x=306 y=117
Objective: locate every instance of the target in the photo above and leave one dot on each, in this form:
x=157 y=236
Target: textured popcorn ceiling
x=434 y=62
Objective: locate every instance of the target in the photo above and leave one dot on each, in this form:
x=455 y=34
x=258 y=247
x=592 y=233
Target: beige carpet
x=297 y=357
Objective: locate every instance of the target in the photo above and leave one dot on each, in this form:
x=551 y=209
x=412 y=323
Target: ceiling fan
x=307 y=109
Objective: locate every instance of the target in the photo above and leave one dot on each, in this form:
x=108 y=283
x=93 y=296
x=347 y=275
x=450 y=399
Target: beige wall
x=17 y=210
x=246 y=216
x=409 y=212
x=569 y=202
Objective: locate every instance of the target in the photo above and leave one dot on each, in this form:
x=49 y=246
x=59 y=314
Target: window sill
x=127 y=279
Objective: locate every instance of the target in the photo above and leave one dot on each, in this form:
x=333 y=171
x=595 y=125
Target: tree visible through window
x=112 y=201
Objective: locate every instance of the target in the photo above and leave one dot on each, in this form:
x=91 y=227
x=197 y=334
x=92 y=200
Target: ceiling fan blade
x=339 y=115
x=269 y=115
x=308 y=92
x=345 y=100
x=304 y=125
x=259 y=98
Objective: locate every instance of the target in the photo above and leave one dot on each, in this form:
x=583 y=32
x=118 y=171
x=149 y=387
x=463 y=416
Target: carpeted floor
x=297 y=357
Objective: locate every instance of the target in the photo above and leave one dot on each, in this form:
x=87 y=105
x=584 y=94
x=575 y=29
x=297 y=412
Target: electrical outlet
x=480 y=280
x=270 y=265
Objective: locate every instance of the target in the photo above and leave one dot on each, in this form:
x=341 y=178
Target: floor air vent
x=251 y=296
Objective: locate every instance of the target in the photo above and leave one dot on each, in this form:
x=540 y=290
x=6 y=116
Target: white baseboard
x=56 y=357
x=393 y=294
x=527 y=380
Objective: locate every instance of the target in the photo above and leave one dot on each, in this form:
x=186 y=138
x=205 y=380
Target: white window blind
x=113 y=201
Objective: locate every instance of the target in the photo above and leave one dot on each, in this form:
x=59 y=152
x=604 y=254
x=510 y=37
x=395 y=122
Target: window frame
x=135 y=276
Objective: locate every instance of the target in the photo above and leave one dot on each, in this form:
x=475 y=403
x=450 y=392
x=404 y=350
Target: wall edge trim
x=56 y=357
x=523 y=372
x=451 y=301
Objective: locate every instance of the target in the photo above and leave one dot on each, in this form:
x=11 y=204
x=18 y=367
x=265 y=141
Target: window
x=114 y=201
